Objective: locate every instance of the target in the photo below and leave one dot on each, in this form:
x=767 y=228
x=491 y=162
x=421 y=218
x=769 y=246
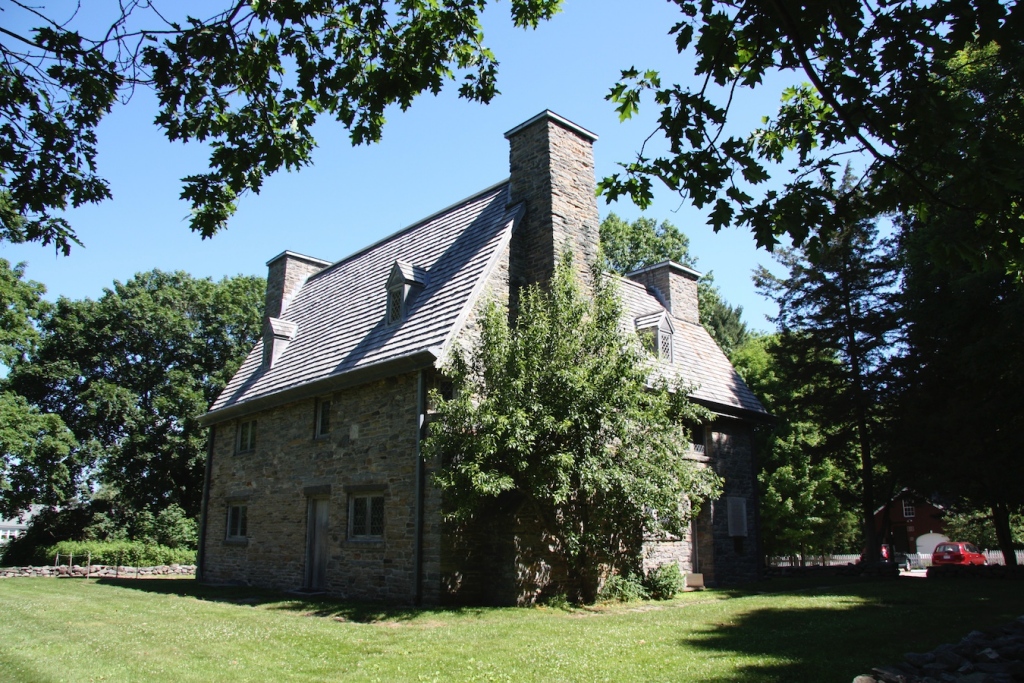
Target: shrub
x=623 y=589
x=664 y=582
x=130 y=553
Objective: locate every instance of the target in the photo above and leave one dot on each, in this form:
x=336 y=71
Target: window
x=908 y=509
x=395 y=305
x=323 y=417
x=366 y=516
x=664 y=346
x=698 y=438
x=405 y=279
x=246 y=436
x=237 y=525
x=655 y=333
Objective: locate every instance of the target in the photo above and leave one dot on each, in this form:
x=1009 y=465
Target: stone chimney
x=552 y=173
x=675 y=285
x=286 y=273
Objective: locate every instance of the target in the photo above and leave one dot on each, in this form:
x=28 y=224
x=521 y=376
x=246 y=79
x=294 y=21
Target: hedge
x=124 y=553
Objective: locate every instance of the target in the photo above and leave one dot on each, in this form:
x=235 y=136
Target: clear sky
x=442 y=150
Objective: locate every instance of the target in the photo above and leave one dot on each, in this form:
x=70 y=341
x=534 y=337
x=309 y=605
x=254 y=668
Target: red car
x=957 y=552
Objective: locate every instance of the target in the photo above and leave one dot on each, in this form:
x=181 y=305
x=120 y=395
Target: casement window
x=323 y=418
x=237 y=522
x=403 y=282
x=366 y=516
x=656 y=332
x=698 y=438
x=908 y=509
x=246 y=436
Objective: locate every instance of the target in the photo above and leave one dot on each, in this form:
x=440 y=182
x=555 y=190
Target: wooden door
x=316 y=544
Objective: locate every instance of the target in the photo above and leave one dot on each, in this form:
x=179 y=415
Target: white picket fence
x=917 y=560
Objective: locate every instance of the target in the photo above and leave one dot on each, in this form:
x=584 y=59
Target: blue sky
x=440 y=151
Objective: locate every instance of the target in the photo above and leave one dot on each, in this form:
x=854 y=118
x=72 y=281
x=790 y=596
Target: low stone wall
x=990 y=571
x=979 y=657
x=98 y=571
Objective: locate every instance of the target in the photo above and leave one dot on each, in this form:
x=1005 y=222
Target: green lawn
x=176 y=630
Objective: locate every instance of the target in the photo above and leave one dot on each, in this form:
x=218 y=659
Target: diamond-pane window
x=394 y=305
x=367 y=514
x=664 y=346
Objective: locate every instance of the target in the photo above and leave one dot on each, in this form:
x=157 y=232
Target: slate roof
x=697 y=359
x=339 y=312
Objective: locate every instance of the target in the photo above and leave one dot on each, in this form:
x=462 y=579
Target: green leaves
x=557 y=410
x=128 y=374
x=876 y=82
x=250 y=80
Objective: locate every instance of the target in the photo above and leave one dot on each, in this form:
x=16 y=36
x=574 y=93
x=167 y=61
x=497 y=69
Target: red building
x=907 y=518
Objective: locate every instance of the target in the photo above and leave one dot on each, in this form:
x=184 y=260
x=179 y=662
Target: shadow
x=305 y=605
x=850 y=627
x=443 y=272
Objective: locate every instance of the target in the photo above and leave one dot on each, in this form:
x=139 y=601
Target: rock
x=919 y=658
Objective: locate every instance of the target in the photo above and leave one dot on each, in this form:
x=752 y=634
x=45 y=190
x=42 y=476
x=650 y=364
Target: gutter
x=411 y=362
x=421 y=424
x=204 y=506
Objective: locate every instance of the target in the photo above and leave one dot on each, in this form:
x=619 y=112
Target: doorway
x=316 y=544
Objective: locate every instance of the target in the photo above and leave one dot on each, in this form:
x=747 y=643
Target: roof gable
x=697 y=360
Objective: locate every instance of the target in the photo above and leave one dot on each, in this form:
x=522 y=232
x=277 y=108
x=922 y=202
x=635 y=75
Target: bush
x=129 y=553
x=664 y=582
x=622 y=589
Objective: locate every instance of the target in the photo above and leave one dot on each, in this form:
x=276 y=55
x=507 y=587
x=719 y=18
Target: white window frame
x=909 y=509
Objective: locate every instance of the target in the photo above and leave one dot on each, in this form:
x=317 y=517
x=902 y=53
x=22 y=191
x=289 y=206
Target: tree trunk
x=1001 y=519
x=871 y=551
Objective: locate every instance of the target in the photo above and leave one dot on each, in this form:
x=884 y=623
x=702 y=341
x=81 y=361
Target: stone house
x=314 y=477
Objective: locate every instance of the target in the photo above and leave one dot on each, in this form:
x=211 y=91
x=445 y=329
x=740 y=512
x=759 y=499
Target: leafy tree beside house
x=128 y=374
x=807 y=502
x=556 y=412
x=837 y=326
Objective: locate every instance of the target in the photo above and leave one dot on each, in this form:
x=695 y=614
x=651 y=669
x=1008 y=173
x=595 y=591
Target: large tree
x=960 y=423
x=129 y=373
x=558 y=413
x=247 y=78
x=31 y=441
x=870 y=79
x=837 y=324
x=806 y=484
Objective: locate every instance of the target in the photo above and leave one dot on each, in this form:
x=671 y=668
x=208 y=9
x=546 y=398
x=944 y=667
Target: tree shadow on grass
x=858 y=625
x=311 y=605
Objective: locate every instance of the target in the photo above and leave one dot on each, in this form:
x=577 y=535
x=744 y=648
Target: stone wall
x=98 y=571
x=372 y=445
x=676 y=287
x=552 y=172
x=285 y=275
x=721 y=558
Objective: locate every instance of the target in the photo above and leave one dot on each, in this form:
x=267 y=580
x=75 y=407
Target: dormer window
x=656 y=332
x=404 y=281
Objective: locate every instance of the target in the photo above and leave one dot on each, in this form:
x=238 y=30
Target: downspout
x=421 y=423
x=203 y=510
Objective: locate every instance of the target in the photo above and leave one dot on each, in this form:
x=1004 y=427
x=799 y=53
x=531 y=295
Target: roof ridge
x=409 y=228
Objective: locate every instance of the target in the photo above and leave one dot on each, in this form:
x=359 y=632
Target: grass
x=784 y=630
